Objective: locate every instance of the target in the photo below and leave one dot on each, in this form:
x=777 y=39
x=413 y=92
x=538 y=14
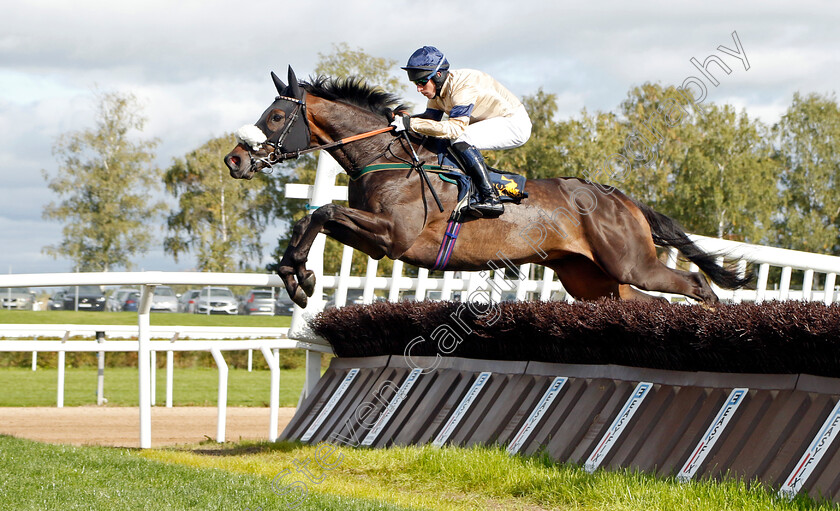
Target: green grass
x=191 y=387
x=239 y=476
x=36 y=476
x=130 y=318
x=480 y=478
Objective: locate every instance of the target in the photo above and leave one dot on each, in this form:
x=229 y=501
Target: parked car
x=90 y=298
x=115 y=301
x=187 y=301
x=19 y=298
x=131 y=302
x=283 y=305
x=56 y=301
x=354 y=297
x=164 y=300
x=216 y=300
x=257 y=302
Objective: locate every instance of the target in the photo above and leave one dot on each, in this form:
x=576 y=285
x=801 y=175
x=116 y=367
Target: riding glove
x=401 y=123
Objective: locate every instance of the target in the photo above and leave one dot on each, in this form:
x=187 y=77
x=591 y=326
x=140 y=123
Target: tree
x=218 y=218
x=706 y=166
x=560 y=148
x=105 y=181
x=713 y=170
x=726 y=185
x=809 y=136
x=660 y=127
x=344 y=62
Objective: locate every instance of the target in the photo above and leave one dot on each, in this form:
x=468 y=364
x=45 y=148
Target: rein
x=346 y=140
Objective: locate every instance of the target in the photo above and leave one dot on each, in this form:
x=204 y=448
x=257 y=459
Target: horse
x=599 y=242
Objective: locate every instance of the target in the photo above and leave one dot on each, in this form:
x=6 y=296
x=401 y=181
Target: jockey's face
x=428 y=89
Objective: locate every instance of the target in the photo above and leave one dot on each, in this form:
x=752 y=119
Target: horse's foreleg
x=288 y=269
x=369 y=233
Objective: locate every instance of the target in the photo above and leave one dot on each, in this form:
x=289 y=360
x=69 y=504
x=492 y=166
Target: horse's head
x=282 y=129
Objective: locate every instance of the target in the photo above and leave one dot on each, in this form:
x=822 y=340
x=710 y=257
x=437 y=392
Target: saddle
x=509 y=185
x=511 y=188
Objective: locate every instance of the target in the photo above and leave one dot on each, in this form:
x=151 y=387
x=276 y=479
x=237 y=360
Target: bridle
x=276 y=141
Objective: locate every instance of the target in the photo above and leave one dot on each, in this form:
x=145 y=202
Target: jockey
x=482 y=114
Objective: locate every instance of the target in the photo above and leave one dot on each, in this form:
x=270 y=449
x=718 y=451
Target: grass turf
x=36 y=476
x=191 y=387
x=452 y=479
x=130 y=318
x=244 y=476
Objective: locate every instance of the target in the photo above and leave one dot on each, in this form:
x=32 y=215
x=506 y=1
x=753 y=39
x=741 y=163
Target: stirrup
x=488 y=208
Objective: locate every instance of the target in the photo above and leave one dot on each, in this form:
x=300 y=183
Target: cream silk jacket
x=467 y=96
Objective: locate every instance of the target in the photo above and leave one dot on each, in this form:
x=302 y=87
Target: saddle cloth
x=511 y=187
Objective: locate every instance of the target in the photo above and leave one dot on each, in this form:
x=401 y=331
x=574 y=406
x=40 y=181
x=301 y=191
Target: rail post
x=100 y=371
x=222 y=400
x=828 y=296
x=169 y=365
x=59 y=399
x=144 y=364
x=153 y=377
x=274 y=398
x=322 y=192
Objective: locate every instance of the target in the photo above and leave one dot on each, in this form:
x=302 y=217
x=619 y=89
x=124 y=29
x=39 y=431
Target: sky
x=201 y=70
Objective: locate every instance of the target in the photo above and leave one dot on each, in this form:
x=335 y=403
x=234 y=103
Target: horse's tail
x=668 y=233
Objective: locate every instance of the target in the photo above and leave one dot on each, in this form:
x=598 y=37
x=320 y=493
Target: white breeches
x=498 y=132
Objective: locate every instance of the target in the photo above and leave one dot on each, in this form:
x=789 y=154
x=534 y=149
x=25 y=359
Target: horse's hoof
x=299 y=297
x=284 y=270
x=308 y=282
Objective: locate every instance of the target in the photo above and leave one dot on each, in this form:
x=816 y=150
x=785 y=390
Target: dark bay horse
x=597 y=240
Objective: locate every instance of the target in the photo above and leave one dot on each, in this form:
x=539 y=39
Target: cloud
x=22 y=240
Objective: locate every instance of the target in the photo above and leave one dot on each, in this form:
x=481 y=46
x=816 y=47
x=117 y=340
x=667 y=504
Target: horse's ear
x=281 y=87
x=294 y=87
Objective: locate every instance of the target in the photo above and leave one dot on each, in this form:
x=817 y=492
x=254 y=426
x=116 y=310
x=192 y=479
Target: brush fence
x=778 y=429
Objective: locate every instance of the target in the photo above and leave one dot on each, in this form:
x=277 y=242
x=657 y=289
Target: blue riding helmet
x=424 y=65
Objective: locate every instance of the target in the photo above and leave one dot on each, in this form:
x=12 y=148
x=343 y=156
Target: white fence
x=267 y=340
x=818 y=275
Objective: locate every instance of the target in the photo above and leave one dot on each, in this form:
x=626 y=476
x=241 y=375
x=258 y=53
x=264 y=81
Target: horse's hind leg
x=628 y=292
x=584 y=280
x=638 y=265
x=649 y=273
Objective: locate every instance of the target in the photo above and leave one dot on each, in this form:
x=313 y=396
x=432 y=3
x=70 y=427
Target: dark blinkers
x=293 y=134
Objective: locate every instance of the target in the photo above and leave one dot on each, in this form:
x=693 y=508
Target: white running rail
x=263 y=339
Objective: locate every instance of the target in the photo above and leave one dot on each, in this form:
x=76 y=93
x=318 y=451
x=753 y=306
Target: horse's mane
x=355 y=91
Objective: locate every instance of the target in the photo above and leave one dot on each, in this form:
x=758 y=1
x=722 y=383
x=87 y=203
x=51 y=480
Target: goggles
x=423 y=81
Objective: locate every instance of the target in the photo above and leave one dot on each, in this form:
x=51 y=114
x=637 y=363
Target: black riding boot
x=488 y=204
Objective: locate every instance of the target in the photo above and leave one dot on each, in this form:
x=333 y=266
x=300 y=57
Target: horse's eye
x=276 y=117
